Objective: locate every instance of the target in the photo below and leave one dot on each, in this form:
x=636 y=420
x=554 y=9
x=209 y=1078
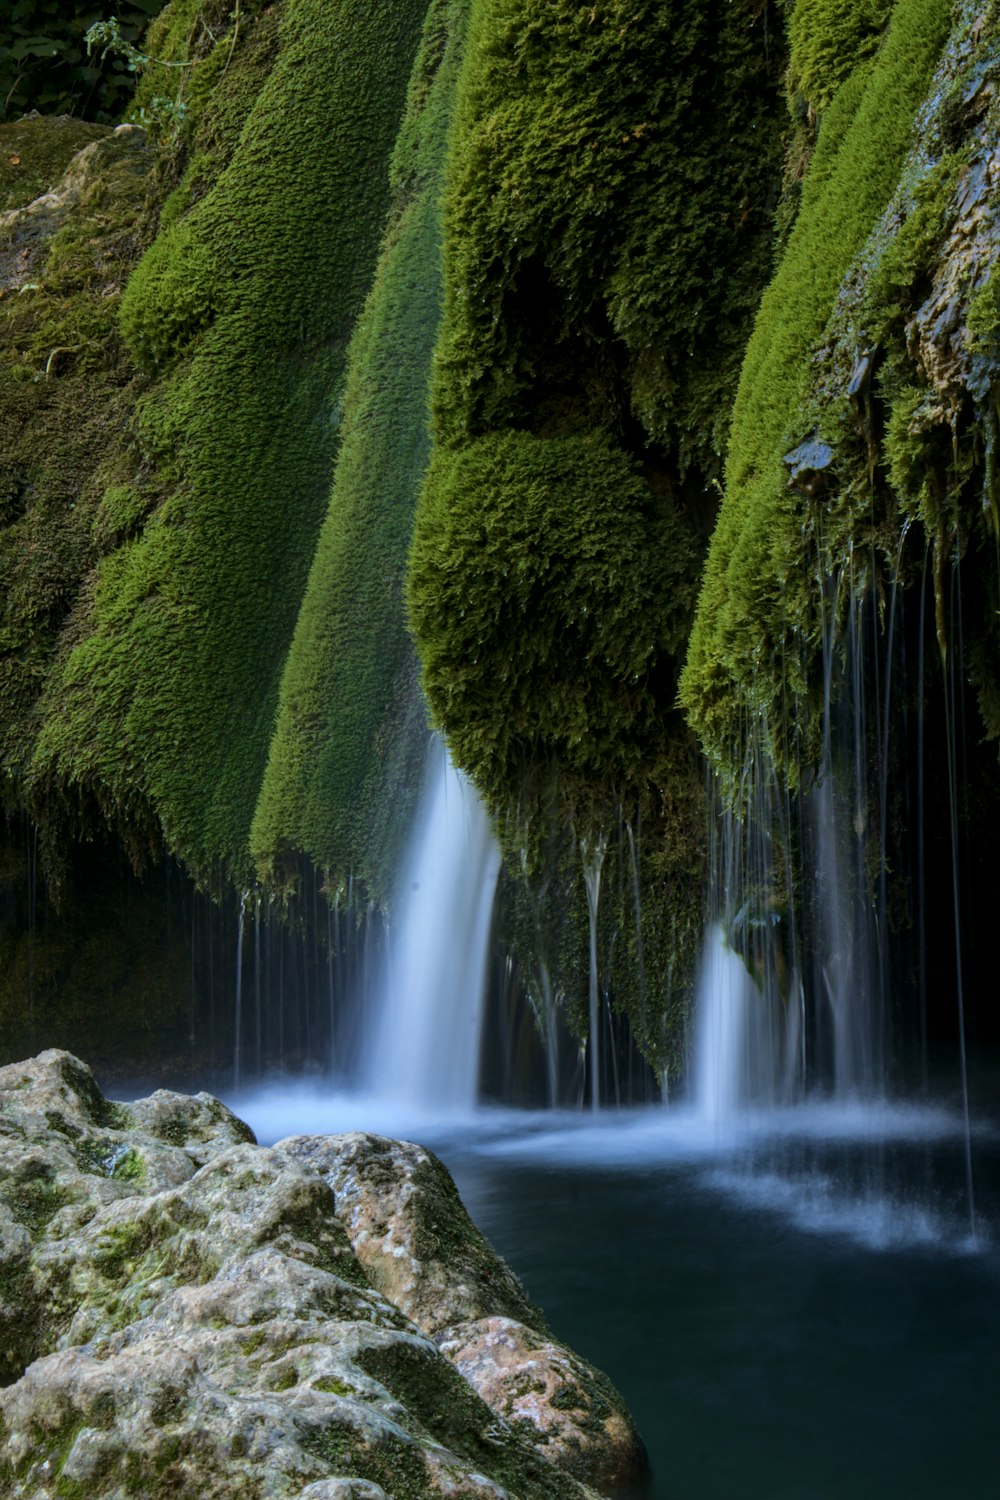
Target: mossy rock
x=162 y=709
x=548 y=592
x=755 y=631
x=346 y=756
x=35 y=152
x=66 y=393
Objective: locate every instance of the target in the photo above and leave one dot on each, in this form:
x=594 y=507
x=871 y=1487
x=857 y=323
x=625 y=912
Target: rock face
x=185 y=1313
x=418 y=1246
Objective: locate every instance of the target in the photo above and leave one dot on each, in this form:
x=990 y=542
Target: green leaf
x=36 y=46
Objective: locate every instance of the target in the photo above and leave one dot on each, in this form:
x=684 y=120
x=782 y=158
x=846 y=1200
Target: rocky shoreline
x=186 y=1313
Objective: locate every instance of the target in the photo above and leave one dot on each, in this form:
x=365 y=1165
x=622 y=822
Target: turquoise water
x=760 y=1359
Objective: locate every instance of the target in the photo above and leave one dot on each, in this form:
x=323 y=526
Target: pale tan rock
x=418 y=1246
x=27 y=231
x=411 y=1232
x=543 y=1389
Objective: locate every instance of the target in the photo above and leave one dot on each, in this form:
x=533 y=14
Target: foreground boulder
x=185 y=1313
x=418 y=1246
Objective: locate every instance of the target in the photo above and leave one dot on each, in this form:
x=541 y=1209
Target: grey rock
x=201 y=1327
x=553 y=1397
x=808 y=465
x=343 y=1489
x=411 y=1232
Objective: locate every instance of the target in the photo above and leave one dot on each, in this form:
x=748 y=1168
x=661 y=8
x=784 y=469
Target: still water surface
x=795 y=1310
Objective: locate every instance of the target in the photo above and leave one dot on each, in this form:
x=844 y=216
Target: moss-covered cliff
x=608 y=231
x=238 y=316
x=513 y=297
x=347 y=751
x=863 y=428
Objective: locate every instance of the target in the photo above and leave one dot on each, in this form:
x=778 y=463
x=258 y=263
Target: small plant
x=161 y=115
x=45 y=63
x=108 y=35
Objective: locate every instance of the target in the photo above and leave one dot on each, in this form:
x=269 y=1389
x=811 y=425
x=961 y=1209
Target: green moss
x=827 y=39
x=35 y=1200
x=129 y=1166
x=609 y=182
x=64 y=402
x=334 y=1387
x=395 y=1463
x=447 y=1409
x=35 y=152
x=104 y=1158
x=984 y=317
x=22 y=1326
x=344 y=760
x=163 y=709
x=121 y=1247
x=903 y=271
x=755 y=610
x=606 y=236
x=547 y=591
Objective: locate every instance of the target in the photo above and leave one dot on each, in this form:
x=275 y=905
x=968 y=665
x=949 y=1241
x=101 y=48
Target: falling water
x=593 y=861
x=776 y=1030
x=727 y=1057
x=424 y=1048
x=238 y=998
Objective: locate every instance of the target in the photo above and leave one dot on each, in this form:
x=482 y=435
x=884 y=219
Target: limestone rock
x=28 y=228
x=182 y=1314
x=36 y=150
x=554 y=1397
x=410 y=1230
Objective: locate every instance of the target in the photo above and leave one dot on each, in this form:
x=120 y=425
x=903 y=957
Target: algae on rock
x=204 y=1327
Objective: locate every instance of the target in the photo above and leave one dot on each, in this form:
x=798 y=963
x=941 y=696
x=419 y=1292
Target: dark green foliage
x=345 y=758
x=756 y=610
x=240 y=316
x=548 y=592
x=44 y=62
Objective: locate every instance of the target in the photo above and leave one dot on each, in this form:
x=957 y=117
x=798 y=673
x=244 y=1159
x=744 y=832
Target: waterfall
x=593 y=861
x=733 y=1063
x=792 y=881
x=423 y=1047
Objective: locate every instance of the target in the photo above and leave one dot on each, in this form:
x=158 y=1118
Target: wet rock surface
x=185 y=1313
x=547 y=1392
x=411 y=1233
